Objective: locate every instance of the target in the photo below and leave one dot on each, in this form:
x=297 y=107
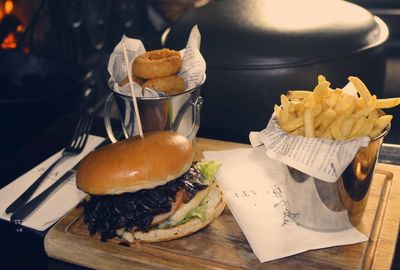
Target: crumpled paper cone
x=192 y=71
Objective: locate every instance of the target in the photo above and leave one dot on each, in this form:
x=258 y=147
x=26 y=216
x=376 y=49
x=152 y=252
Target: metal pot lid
x=263 y=33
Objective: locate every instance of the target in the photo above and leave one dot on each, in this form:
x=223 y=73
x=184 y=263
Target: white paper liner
x=192 y=71
x=321 y=158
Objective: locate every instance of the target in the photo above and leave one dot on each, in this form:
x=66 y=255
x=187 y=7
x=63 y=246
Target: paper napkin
x=254 y=186
x=63 y=200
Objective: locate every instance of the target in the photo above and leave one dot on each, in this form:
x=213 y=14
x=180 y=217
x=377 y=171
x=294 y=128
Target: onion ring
x=134 y=78
x=158 y=63
x=170 y=85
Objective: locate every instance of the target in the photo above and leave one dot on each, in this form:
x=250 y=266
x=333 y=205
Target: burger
x=148 y=189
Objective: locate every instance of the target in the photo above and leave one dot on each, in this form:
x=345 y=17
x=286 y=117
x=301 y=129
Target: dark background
x=68 y=47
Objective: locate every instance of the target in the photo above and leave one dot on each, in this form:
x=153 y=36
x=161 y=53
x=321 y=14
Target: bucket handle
x=107 y=120
x=197 y=104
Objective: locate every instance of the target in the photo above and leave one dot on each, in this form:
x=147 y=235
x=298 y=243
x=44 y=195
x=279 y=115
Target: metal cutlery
x=25 y=211
x=75 y=147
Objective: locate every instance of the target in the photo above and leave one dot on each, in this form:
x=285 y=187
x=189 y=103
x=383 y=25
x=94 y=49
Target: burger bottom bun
x=215 y=204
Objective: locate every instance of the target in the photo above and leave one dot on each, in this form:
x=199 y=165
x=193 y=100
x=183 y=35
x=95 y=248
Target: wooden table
x=222 y=245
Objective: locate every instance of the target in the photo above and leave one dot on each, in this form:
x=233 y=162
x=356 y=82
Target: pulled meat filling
x=107 y=213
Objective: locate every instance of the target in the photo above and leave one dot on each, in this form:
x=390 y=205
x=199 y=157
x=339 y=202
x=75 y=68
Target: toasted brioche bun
x=215 y=204
x=134 y=164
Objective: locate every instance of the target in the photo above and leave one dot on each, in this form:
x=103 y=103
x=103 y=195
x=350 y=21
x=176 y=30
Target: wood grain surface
x=222 y=244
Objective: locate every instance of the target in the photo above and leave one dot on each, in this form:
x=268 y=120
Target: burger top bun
x=136 y=163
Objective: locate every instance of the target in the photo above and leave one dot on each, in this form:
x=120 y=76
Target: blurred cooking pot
x=258 y=49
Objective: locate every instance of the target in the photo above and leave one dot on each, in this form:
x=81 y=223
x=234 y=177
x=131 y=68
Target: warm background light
x=8 y=6
x=1 y=10
x=10 y=42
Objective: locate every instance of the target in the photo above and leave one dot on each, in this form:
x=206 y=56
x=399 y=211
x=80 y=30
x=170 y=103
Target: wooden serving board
x=222 y=244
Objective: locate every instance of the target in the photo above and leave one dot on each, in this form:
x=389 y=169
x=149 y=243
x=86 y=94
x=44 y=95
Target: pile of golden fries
x=333 y=114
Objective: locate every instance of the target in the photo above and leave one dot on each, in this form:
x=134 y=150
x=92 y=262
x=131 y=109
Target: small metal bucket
x=180 y=113
x=324 y=206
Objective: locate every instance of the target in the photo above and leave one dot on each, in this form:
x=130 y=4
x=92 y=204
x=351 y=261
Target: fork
x=74 y=148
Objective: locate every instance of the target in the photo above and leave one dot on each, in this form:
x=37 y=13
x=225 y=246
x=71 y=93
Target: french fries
x=334 y=114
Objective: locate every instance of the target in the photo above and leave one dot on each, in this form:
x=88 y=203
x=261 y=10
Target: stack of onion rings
x=134 y=78
x=159 y=68
x=158 y=63
x=170 y=85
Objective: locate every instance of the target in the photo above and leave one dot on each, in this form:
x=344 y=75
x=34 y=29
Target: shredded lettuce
x=199 y=212
x=208 y=170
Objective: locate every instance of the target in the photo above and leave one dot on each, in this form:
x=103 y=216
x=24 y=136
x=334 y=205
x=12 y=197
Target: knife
x=25 y=211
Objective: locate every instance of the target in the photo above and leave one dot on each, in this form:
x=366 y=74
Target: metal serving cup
x=341 y=204
x=180 y=113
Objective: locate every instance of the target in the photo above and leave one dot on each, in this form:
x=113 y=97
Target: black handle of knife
x=25 y=211
x=24 y=197
x=28 y=209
